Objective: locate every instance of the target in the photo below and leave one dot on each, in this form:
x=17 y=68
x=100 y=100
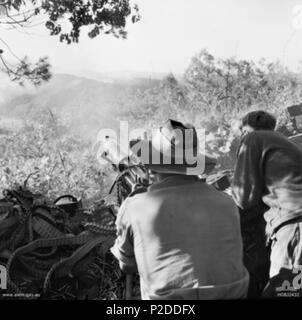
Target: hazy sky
x=172 y=31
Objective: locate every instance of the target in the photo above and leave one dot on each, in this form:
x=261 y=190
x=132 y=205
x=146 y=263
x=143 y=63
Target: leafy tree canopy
x=212 y=93
x=65 y=19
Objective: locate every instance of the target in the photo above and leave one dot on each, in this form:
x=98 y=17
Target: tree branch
x=9 y=49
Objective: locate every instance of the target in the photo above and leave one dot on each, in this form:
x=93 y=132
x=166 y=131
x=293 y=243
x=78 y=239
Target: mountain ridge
x=89 y=104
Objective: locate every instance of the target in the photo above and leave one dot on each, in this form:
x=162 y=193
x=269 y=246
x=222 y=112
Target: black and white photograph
x=150 y=150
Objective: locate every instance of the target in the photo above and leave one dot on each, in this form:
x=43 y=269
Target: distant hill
x=125 y=75
x=88 y=103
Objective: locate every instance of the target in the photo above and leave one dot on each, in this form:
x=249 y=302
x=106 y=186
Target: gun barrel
x=131 y=181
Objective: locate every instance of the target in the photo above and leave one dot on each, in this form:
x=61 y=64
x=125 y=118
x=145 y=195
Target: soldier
x=268 y=182
x=182 y=235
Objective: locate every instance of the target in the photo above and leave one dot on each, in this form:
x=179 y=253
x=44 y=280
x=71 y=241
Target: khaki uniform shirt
x=184 y=237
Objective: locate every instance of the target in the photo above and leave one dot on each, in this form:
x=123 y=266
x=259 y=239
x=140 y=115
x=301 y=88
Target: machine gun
x=132 y=177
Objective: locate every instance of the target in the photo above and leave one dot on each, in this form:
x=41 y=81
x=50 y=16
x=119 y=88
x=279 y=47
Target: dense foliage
x=103 y=16
x=54 y=161
x=212 y=94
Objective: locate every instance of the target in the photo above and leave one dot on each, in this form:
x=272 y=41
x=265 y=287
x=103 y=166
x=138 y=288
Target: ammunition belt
x=28 y=228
